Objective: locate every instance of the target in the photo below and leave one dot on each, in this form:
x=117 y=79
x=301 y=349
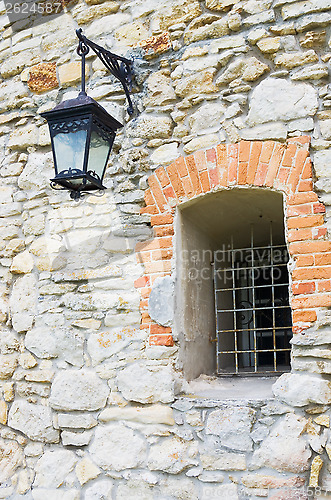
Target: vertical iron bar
x=234 y=307
x=216 y=316
x=253 y=291
x=273 y=297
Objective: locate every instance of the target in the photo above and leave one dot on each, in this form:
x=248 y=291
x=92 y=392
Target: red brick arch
x=285 y=167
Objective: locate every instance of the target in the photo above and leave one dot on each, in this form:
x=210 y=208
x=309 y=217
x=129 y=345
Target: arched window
x=233 y=314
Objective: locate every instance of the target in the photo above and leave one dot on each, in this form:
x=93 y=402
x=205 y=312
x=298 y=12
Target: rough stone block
x=22 y=263
x=156 y=414
x=161 y=301
x=301 y=389
x=78 y=390
x=116 y=447
x=200 y=83
x=150 y=127
x=53 y=467
x=285 y=449
x=172 y=456
x=233 y=425
x=275 y=99
x=22 y=138
x=86 y=470
x=76 y=439
x=35 y=421
x=145 y=384
x=131 y=34
x=71 y=73
x=11 y=458
x=42 y=77
x=156 y=45
x=222 y=461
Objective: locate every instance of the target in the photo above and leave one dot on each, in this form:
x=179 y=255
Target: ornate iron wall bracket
x=119 y=66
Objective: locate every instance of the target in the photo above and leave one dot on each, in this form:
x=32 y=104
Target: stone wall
x=93 y=401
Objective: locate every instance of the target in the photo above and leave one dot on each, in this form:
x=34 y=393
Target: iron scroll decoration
x=118 y=66
x=82 y=132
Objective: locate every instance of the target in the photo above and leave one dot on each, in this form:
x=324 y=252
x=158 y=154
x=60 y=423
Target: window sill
x=231 y=388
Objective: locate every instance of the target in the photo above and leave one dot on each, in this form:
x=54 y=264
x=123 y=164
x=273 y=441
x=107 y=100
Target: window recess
x=253 y=315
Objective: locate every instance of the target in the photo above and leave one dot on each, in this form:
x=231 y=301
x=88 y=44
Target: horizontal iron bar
x=258 y=372
x=250 y=268
x=270 y=308
x=257 y=330
x=253 y=351
x=270 y=247
x=256 y=287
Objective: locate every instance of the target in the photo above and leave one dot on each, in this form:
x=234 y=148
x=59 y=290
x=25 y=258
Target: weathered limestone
x=159 y=89
x=155 y=414
x=220 y=5
x=161 y=301
x=23 y=302
x=101 y=487
x=42 y=77
x=290 y=61
x=276 y=131
x=165 y=154
x=116 y=447
x=103 y=345
x=172 y=455
x=131 y=34
x=70 y=73
x=216 y=29
x=78 y=390
x=53 y=467
x=11 y=457
x=149 y=127
x=135 y=489
x=45 y=342
x=249 y=69
x=275 y=99
x=8 y=363
x=144 y=384
x=3 y=412
x=77 y=439
x=96 y=11
x=302 y=389
x=86 y=470
x=284 y=449
x=33 y=176
x=322 y=162
x=314 y=72
x=300 y=8
x=233 y=426
x=22 y=263
x=202 y=82
x=180 y=11
x=316 y=467
x=24 y=137
x=35 y=421
x=76 y=421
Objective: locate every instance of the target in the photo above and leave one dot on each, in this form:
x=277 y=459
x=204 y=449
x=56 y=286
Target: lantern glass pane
x=98 y=155
x=69 y=149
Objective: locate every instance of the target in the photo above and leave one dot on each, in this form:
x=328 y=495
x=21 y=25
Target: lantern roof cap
x=80 y=105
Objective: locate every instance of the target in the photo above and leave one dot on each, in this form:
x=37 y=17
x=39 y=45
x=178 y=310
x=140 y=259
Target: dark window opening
x=253 y=315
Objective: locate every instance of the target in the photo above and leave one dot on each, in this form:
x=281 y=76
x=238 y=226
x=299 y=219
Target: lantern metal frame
x=85 y=114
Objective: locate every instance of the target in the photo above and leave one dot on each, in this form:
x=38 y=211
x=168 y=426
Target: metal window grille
x=253 y=315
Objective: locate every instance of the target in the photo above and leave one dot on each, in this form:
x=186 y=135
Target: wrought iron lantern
x=82 y=132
